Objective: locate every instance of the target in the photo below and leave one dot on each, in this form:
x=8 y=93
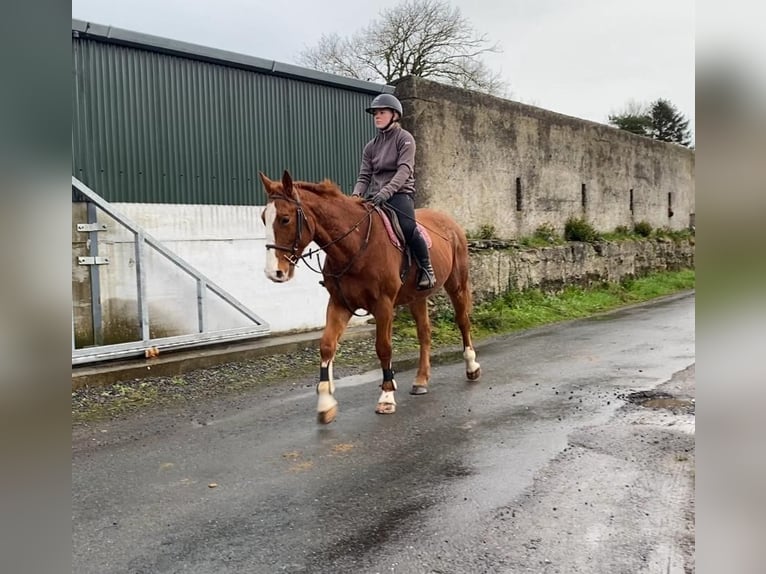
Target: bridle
x=291 y=253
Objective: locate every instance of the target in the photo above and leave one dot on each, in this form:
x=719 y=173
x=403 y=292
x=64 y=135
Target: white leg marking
x=269 y=215
x=386 y=402
x=326 y=390
x=325 y=402
x=387 y=397
x=469 y=355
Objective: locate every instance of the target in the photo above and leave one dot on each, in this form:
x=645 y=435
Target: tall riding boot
x=426 y=275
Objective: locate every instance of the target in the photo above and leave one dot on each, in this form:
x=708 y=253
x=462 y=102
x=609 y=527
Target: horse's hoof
x=327 y=416
x=385 y=408
x=419 y=390
x=474 y=376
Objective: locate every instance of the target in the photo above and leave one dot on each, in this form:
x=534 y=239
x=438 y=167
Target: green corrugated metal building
x=160 y=121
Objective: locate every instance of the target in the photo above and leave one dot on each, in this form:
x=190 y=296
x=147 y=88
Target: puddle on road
x=666 y=403
x=660 y=400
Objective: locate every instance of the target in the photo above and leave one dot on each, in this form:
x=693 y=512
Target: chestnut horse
x=362 y=271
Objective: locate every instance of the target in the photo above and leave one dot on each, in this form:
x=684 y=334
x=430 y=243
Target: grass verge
x=525 y=309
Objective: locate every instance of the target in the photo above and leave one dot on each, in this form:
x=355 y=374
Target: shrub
x=580 y=230
x=543 y=236
x=486 y=231
x=674 y=234
x=643 y=228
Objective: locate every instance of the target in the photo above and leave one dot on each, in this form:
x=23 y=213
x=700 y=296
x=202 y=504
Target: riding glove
x=378 y=199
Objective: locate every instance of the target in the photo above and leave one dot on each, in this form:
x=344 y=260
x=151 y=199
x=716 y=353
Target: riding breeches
x=404 y=206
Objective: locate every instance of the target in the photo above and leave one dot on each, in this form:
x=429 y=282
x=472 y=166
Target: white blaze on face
x=269 y=215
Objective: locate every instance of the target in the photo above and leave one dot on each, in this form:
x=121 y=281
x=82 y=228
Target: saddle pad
x=392 y=234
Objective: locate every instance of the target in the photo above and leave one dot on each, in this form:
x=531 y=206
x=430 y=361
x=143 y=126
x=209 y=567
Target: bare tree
x=634 y=108
x=634 y=118
x=425 y=38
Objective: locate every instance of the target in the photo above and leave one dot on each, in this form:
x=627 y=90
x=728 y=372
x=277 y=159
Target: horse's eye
x=285 y=220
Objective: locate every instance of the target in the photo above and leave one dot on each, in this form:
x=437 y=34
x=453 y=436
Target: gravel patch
x=91 y=404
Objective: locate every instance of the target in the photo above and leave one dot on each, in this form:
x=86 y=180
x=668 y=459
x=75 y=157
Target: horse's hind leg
x=336 y=322
x=419 y=310
x=460 y=294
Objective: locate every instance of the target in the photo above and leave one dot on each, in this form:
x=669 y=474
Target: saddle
x=390 y=220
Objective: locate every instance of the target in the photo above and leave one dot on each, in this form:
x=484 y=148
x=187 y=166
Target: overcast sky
x=583 y=58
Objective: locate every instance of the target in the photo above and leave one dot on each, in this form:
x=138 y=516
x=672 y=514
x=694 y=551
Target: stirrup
x=426 y=279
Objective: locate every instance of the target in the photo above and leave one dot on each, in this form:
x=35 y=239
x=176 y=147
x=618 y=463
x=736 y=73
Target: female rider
x=387 y=175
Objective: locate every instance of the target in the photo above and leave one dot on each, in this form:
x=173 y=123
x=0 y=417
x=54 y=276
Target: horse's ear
x=287 y=185
x=268 y=185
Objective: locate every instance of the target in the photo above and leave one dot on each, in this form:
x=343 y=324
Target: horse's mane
x=325 y=187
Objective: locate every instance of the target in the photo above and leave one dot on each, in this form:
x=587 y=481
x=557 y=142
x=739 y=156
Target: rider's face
x=382 y=117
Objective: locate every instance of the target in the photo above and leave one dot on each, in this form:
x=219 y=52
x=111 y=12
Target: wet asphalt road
x=542 y=466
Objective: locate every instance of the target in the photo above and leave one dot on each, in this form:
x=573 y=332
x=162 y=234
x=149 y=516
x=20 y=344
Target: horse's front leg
x=336 y=321
x=384 y=316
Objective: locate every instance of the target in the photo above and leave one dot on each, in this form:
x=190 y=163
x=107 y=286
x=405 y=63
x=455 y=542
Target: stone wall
x=495 y=162
x=496 y=270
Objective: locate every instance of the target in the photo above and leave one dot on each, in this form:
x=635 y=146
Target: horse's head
x=287 y=232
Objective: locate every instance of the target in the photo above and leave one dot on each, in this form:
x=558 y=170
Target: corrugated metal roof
x=81 y=28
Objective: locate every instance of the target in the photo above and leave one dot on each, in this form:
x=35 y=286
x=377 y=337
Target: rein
x=337 y=276
x=401 y=213
x=368 y=215
x=292 y=252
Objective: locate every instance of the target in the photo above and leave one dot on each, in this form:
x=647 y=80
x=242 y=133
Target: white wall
x=227 y=244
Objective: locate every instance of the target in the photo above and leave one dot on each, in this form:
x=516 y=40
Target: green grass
x=522 y=310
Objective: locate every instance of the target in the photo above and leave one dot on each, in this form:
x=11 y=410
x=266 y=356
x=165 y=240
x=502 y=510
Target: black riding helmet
x=385 y=101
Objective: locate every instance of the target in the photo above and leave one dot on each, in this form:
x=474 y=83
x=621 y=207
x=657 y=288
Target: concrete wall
x=472 y=148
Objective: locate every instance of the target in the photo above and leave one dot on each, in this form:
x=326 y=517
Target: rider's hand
x=377 y=200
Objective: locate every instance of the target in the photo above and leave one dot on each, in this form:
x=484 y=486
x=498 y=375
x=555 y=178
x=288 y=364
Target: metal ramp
x=143 y=241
